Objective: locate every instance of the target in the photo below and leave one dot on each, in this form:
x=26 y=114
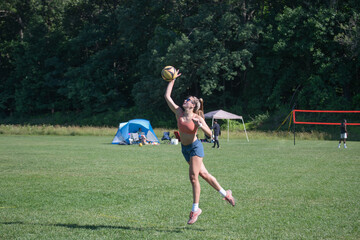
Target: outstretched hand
x=177 y=74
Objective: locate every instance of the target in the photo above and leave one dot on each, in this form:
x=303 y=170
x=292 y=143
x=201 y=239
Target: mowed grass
x=82 y=187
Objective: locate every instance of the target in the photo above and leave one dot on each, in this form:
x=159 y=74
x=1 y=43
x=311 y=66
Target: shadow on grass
x=97 y=227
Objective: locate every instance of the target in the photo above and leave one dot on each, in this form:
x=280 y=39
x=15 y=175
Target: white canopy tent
x=221 y=114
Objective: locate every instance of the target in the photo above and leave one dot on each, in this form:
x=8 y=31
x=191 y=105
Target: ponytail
x=199 y=108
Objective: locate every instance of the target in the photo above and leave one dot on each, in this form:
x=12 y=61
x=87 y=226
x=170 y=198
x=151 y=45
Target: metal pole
x=294 y=131
x=245 y=129
x=212 y=131
x=228 y=130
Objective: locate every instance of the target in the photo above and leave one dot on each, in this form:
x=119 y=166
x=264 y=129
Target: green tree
x=249 y=57
x=299 y=58
x=13 y=18
x=212 y=49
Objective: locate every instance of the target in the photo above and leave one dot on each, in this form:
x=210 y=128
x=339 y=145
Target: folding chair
x=177 y=135
x=166 y=136
x=134 y=138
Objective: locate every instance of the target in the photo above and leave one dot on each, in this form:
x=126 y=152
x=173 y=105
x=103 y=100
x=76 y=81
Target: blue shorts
x=194 y=149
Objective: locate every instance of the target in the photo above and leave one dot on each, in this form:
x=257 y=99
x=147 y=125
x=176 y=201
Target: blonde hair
x=199 y=106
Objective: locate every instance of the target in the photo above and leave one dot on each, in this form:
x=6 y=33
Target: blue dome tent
x=123 y=134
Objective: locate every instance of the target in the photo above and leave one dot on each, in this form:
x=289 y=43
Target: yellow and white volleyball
x=140 y=144
x=168 y=73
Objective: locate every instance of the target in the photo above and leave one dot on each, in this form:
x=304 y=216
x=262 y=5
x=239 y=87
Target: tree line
x=104 y=57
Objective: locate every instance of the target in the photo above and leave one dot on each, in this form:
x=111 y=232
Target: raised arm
x=168 y=98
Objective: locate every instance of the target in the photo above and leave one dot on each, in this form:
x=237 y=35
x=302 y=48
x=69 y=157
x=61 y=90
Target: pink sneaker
x=194 y=216
x=229 y=198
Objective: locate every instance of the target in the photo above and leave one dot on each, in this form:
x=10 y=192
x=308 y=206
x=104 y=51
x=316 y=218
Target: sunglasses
x=188 y=100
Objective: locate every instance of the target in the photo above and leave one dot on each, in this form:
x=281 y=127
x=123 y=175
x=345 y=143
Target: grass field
x=82 y=187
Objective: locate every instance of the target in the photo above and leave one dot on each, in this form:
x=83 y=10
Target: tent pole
x=294 y=132
x=212 y=124
x=228 y=129
x=245 y=129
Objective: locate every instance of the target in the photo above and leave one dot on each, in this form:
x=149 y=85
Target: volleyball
x=140 y=144
x=168 y=73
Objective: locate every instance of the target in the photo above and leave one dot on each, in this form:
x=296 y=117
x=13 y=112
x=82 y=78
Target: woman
x=190 y=119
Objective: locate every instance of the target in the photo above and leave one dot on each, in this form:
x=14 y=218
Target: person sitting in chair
x=142 y=137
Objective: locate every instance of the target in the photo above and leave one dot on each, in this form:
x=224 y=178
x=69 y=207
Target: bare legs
x=197 y=168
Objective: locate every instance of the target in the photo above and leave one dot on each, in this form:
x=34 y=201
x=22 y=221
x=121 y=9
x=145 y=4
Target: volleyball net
x=325 y=117
x=321 y=117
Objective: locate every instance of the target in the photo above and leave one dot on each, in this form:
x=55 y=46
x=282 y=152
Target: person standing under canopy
x=217 y=133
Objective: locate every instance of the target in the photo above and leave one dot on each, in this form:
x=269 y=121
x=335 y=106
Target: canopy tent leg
x=228 y=130
x=245 y=130
x=212 y=131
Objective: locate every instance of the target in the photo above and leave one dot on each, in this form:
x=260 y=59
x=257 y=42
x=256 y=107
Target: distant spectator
x=343 y=133
x=217 y=133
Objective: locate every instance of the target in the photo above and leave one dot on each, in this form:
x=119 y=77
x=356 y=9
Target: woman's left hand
x=196 y=122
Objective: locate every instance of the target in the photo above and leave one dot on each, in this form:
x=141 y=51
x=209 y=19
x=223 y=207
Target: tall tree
x=212 y=50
